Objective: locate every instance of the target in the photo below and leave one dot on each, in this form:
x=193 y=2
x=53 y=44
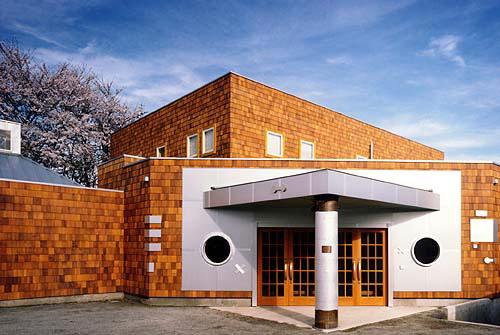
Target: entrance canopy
x=353 y=192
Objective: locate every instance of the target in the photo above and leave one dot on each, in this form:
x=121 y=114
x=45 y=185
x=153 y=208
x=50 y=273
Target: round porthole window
x=425 y=251
x=217 y=249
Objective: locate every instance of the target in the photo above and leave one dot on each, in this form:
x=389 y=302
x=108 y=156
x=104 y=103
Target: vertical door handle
x=290 y=270
x=354 y=271
x=359 y=271
x=286 y=271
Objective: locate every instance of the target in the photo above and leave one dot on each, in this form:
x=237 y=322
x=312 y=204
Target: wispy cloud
x=339 y=60
x=446 y=47
x=357 y=58
x=412 y=126
x=152 y=81
x=454 y=138
x=35 y=33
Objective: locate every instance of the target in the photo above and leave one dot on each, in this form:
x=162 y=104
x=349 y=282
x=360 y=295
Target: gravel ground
x=134 y=318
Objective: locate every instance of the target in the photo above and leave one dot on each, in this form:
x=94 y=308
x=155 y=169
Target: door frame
x=270 y=301
x=287 y=299
x=357 y=299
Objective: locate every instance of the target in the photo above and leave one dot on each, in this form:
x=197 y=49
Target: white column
x=326 y=248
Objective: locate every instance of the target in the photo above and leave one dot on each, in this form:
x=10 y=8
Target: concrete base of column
x=326 y=319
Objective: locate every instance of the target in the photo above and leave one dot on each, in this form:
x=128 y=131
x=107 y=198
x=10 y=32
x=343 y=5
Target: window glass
x=160 y=152
x=426 y=251
x=274 y=144
x=217 y=249
x=193 y=146
x=4 y=139
x=306 y=150
x=208 y=140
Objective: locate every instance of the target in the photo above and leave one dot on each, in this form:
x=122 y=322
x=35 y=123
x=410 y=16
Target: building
x=239 y=193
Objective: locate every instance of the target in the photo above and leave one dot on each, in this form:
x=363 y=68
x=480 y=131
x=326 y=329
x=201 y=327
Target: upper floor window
x=192 y=146
x=274 y=144
x=4 y=139
x=306 y=150
x=161 y=152
x=208 y=137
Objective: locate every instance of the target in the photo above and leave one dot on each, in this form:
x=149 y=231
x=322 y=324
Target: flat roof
x=353 y=190
x=141 y=159
x=18 y=167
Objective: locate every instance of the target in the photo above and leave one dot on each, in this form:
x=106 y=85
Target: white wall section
x=404 y=228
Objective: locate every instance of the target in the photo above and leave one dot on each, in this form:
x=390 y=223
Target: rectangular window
x=208 y=140
x=192 y=146
x=306 y=150
x=5 y=139
x=274 y=145
x=161 y=152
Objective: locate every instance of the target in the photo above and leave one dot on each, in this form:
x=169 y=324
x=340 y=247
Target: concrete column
x=326 y=248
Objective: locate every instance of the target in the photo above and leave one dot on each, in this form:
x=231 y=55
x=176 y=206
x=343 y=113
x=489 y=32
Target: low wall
x=59 y=240
x=477 y=311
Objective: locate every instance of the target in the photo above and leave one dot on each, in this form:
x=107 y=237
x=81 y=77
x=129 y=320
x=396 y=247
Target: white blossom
x=67 y=112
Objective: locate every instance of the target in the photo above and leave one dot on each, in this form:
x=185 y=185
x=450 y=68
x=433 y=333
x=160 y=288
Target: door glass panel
x=303 y=263
x=273 y=264
x=345 y=263
x=372 y=264
x=293 y=249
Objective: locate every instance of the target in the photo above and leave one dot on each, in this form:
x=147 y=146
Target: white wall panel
x=241 y=226
x=444 y=226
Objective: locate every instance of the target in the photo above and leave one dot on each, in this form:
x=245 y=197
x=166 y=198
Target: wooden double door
x=286 y=273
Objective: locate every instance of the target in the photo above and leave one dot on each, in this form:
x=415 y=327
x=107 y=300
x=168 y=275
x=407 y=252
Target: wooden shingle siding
x=256 y=108
x=170 y=126
x=59 y=241
x=242 y=110
x=162 y=195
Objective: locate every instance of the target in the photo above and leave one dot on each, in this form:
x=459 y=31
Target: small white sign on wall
x=483 y=230
x=481 y=213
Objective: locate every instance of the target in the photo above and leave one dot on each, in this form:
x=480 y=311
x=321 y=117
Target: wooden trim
x=289 y=299
x=263 y=300
x=297 y=300
x=266 y=154
x=359 y=300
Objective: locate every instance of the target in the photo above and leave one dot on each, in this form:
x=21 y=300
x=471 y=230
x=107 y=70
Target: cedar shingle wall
x=204 y=108
x=113 y=175
x=163 y=196
x=57 y=241
x=256 y=108
x=243 y=110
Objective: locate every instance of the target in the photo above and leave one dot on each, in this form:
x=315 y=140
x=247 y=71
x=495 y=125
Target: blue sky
x=429 y=70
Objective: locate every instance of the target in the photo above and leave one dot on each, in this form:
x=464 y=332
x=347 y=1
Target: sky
x=427 y=70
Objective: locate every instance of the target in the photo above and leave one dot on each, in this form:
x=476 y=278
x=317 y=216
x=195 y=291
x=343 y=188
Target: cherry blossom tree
x=67 y=112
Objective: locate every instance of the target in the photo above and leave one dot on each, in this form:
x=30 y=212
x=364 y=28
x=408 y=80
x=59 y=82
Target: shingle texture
x=57 y=240
x=243 y=110
x=163 y=196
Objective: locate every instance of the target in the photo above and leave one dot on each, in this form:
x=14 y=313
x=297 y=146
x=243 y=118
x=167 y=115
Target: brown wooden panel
x=302 y=270
x=273 y=282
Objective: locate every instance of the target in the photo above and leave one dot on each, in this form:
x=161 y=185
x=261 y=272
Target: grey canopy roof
x=353 y=191
x=17 y=167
